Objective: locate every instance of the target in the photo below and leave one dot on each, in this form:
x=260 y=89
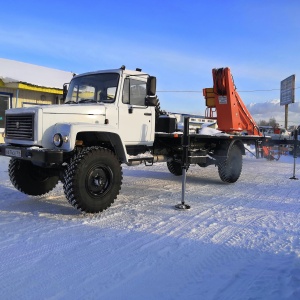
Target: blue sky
x=179 y=42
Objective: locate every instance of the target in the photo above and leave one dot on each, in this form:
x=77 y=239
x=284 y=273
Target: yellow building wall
x=6 y=90
x=32 y=97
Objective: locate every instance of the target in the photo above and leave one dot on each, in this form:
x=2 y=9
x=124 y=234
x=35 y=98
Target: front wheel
x=230 y=168
x=30 y=179
x=93 y=179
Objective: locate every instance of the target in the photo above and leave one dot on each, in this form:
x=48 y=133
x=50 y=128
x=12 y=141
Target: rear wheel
x=175 y=167
x=30 y=179
x=93 y=179
x=231 y=167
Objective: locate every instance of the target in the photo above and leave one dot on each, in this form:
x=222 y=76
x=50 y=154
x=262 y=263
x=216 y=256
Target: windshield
x=93 y=88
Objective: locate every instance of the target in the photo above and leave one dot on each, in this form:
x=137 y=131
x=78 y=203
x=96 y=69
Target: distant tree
x=262 y=123
x=272 y=122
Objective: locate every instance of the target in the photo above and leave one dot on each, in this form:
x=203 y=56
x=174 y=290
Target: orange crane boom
x=224 y=104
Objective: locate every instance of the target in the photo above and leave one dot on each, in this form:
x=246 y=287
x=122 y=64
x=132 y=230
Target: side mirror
x=151 y=86
x=151 y=101
x=65 y=91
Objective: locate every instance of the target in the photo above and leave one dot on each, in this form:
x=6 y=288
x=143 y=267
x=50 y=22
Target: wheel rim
x=99 y=180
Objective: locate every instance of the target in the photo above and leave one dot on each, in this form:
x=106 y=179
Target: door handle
x=147 y=114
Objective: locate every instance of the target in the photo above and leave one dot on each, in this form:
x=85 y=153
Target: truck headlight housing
x=57 y=139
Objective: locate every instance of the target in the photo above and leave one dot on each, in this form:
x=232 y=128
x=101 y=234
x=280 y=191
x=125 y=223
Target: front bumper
x=38 y=156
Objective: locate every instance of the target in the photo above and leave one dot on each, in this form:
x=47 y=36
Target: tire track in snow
x=224 y=233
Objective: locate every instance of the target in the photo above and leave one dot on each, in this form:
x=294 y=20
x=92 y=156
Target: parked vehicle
x=110 y=118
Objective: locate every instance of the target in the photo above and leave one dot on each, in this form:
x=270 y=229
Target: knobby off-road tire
x=175 y=167
x=93 y=179
x=230 y=168
x=30 y=179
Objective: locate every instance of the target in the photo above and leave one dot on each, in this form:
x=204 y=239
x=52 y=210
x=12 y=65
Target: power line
x=265 y=90
x=236 y=90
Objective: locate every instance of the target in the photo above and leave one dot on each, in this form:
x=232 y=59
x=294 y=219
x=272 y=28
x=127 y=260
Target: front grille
x=20 y=127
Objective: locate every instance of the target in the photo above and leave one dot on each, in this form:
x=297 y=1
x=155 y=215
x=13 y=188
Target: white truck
x=109 y=118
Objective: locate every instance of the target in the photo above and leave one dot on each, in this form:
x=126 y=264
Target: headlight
x=57 y=140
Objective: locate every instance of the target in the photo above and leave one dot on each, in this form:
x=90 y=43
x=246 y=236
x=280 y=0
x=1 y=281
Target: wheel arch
x=87 y=135
x=108 y=140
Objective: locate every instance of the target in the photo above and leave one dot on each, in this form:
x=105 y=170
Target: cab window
x=134 y=92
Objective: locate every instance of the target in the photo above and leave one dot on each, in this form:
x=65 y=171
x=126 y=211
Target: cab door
x=136 y=120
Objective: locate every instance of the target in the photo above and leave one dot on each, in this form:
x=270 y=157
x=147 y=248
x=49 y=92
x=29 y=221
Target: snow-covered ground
x=238 y=241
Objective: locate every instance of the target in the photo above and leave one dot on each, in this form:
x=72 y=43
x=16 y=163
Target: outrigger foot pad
x=182 y=206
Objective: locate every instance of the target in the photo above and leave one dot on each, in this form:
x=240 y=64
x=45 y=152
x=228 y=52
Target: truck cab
x=123 y=96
